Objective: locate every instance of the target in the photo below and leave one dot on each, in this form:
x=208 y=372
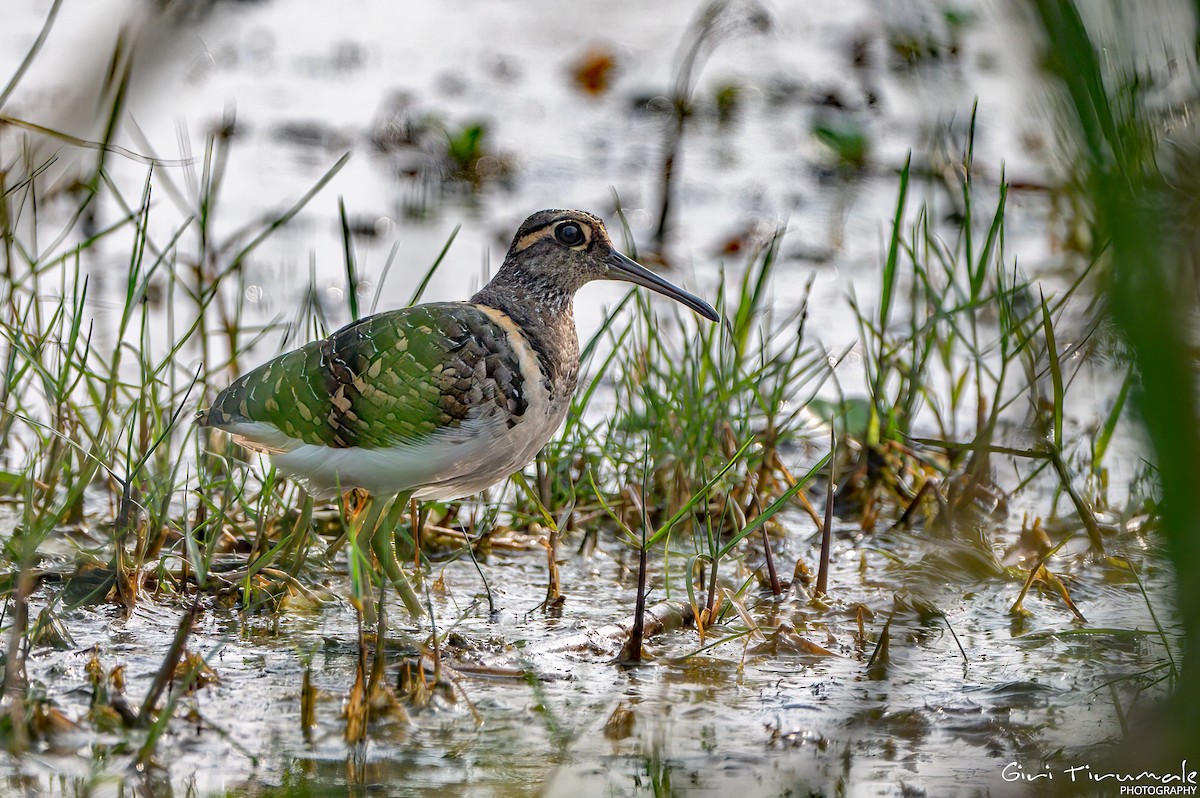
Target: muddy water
x=767 y=713
x=761 y=715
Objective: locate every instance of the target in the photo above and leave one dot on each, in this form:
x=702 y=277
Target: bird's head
x=567 y=249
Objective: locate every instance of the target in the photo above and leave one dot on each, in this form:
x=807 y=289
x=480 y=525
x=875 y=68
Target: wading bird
x=436 y=401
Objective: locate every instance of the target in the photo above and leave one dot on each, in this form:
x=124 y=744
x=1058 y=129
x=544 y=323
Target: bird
x=436 y=401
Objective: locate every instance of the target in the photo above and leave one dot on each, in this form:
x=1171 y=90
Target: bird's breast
x=533 y=376
x=495 y=439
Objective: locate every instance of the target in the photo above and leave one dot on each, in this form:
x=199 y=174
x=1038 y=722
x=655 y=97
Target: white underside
x=448 y=465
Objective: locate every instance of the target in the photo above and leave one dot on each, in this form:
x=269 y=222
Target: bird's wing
x=392 y=379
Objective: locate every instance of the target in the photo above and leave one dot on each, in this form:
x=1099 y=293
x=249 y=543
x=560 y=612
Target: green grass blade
x=1055 y=374
x=775 y=506
x=683 y=511
x=348 y=258
x=437 y=262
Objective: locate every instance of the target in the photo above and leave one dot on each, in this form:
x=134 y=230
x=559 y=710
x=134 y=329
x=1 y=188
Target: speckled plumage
x=388 y=379
x=444 y=399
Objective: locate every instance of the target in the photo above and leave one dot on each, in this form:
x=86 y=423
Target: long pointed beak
x=629 y=270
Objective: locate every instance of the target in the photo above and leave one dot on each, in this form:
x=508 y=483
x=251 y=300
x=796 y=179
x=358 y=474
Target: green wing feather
x=393 y=378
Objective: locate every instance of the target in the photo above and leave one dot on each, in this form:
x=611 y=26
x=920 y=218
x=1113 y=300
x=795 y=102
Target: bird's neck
x=544 y=313
x=527 y=297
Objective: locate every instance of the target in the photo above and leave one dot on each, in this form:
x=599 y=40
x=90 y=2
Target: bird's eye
x=569 y=234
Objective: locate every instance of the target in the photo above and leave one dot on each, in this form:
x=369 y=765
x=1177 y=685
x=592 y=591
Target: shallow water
x=760 y=713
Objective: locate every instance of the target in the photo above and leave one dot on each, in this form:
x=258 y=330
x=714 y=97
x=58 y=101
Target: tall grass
x=726 y=401
x=971 y=361
x=1139 y=189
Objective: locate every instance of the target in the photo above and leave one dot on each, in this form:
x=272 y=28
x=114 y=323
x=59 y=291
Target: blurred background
x=793 y=116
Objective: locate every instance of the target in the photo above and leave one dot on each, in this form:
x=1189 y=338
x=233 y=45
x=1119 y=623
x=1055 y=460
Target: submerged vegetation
x=724 y=468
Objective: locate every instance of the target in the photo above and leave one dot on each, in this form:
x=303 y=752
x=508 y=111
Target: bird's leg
x=383 y=544
x=402 y=540
x=360 y=558
x=301 y=532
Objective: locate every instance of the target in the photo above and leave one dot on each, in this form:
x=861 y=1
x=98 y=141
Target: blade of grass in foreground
x=775 y=506
x=686 y=509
